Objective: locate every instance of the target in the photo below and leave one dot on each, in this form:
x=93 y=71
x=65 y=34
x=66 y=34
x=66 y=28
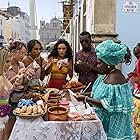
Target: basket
x=29 y=116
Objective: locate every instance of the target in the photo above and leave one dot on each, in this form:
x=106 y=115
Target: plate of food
x=29 y=112
x=75 y=86
x=39 y=88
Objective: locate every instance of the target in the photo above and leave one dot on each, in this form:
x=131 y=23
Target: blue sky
x=45 y=8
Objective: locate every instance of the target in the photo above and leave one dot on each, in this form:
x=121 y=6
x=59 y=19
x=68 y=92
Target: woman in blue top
x=111 y=94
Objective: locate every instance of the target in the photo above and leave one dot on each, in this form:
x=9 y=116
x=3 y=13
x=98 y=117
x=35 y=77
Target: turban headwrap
x=110 y=52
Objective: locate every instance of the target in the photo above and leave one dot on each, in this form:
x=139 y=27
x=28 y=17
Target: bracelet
x=85 y=99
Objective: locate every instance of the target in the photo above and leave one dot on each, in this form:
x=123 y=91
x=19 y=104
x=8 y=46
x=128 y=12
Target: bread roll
x=23 y=109
x=46 y=108
x=18 y=110
x=29 y=110
x=35 y=109
x=78 y=84
x=73 y=84
x=39 y=109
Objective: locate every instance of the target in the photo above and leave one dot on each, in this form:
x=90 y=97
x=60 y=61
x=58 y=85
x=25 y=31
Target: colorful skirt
x=57 y=83
x=136 y=117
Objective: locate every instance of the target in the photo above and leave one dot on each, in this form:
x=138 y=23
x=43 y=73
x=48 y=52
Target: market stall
x=66 y=120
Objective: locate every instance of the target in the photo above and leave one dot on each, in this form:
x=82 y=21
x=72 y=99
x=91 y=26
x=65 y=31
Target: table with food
x=52 y=114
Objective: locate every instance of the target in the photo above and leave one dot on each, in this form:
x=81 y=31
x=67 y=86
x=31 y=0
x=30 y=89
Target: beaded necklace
x=106 y=76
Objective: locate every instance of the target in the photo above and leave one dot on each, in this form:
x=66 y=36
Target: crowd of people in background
x=109 y=92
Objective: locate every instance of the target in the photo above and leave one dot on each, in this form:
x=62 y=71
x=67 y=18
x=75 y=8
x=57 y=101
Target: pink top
x=5 y=94
x=11 y=73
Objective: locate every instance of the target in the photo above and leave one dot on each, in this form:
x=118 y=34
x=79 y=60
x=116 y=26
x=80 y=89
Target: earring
x=108 y=67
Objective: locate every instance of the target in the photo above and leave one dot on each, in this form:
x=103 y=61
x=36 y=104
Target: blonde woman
x=5 y=88
x=18 y=52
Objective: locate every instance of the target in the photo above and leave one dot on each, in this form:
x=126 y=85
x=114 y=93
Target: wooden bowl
x=57 y=113
x=54 y=96
x=52 y=102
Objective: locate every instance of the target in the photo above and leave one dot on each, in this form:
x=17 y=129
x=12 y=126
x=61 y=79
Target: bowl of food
x=52 y=102
x=57 y=113
x=53 y=95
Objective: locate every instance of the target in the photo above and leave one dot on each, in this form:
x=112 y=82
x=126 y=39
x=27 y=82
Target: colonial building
x=17 y=25
x=1 y=24
x=87 y=17
x=3 y=17
x=105 y=19
x=50 y=32
x=1 y=30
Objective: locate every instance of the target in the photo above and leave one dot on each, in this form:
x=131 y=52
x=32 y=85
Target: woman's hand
x=48 y=64
x=81 y=65
x=21 y=71
x=44 y=64
x=19 y=80
x=66 y=64
x=29 y=73
x=18 y=76
x=54 y=60
x=136 y=79
x=80 y=97
x=130 y=74
x=62 y=63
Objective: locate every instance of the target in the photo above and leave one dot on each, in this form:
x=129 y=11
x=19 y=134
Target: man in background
x=85 y=61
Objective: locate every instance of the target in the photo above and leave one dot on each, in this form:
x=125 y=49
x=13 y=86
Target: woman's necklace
x=106 y=76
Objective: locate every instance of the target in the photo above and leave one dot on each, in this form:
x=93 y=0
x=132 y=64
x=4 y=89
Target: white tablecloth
x=38 y=129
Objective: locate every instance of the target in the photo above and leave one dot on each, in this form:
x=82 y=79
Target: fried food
x=35 y=109
x=18 y=110
x=29 y=110
x=75 y=86
x=39 y=109
x=23 y=109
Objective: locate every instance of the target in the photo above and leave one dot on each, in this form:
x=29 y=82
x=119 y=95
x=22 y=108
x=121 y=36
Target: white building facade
x=50 y=32
x=1 y=24
x=17 y=26
x=98 y=17
x=1 y=29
